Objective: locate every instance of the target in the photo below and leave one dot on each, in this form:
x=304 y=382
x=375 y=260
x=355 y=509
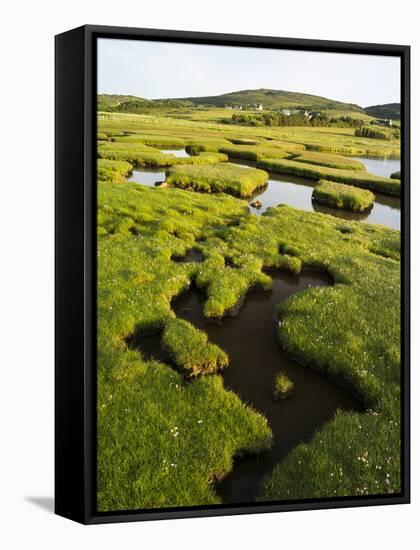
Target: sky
x=161 y=69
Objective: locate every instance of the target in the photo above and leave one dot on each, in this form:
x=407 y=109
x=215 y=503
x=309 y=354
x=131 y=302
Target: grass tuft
x=283 y=386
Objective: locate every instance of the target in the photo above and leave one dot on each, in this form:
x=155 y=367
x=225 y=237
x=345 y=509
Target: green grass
x=140 y=154
x=217 y=178
x=396 y=175
x=254 y=153
x=194 y=128
x=189 y=349
x=372 y=133
x=165 y=433
x=113 y=170
x=283 y=386
x=153 y=140
x=358 y=178
x=162 y=440
x=349 y=331
x=345 y=197
x=330 y=160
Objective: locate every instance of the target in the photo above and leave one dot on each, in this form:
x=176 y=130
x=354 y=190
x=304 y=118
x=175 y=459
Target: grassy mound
x=396 y=175
x=345 y=197
x=217 y=178
x=189 y=349
x=330 y=160
x=113 y=170
x=254 y=153
x=358 y=178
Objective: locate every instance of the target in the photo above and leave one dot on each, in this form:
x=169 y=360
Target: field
x=168 y=429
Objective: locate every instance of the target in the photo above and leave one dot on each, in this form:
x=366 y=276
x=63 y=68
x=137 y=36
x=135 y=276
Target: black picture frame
x=75 y=271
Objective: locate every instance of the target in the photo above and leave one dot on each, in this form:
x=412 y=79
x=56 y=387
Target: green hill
x=134 y=104
x=275 y=99
x=389 y=110
x=109 y=102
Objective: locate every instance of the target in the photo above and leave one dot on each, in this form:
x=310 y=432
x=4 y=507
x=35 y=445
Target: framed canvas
x=232 y=274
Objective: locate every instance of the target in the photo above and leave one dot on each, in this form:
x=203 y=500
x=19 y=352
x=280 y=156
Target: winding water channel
x=297 y=192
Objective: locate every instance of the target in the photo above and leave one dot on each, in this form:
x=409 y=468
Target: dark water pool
x=255 y=358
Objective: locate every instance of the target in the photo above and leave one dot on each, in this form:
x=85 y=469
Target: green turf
x=189 y=349
x=165 y=431
x=358 y=178
x=253 y=152
x=140 y=154
x=329 y=160
x=217 y=178
x=113 y=170
x=342 y=196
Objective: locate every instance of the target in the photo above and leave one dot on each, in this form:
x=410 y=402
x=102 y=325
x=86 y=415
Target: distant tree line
x=274 y=118
x=142 y=106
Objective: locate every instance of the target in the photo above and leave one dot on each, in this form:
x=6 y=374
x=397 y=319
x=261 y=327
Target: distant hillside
x=134 y=104
x=389 y=110
x=108 y=102
x=274 y=99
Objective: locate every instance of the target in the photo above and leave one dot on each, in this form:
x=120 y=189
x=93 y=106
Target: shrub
x=396 y=175
x=345 y=197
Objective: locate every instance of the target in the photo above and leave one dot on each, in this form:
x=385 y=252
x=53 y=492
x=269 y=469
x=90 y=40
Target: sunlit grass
x=345 y=197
